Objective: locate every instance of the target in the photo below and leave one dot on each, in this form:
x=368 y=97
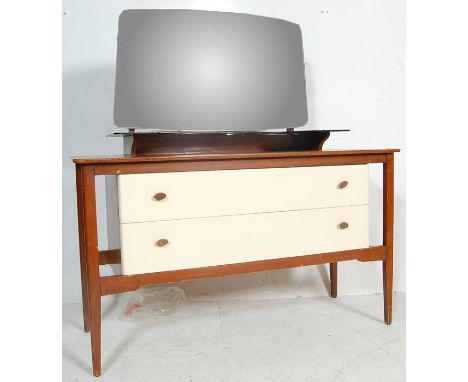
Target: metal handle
x=159 y=196
x=343 y=225
x=342 y=184
x=162 y=242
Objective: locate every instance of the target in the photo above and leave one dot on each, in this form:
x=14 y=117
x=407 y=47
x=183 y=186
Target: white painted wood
x=241 y=238
x=232 y=192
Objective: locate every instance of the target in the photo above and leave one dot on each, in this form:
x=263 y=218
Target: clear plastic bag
x=152 y=302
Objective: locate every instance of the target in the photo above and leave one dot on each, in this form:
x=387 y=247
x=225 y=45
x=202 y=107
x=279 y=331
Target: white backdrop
x=354 y=52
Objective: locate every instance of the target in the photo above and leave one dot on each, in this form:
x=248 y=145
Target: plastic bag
x=152 y=302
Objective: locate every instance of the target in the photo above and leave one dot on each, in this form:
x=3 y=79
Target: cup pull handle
x=162 y=242
x=343 y=184
x=343 y=225
x=159 y=196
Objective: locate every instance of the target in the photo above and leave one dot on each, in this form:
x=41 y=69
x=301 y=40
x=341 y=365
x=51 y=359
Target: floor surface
x=302 y=339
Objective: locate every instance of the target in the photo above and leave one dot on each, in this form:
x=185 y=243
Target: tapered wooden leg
x=333 y=279
x=92 y=263
x=96 y=335
x=84 y=273
x=387 y=266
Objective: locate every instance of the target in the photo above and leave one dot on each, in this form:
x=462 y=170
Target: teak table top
x=200 y=157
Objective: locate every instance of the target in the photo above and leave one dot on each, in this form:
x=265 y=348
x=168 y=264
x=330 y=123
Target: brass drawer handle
x=343 y=225
x=342 y=184
x=162 y=242
x=159 y=196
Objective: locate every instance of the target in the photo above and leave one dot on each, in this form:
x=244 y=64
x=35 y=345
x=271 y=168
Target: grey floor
x=302 y=339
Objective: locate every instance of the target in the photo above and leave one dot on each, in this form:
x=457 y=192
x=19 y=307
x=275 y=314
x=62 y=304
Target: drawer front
x=202 y=242
x=230 y=192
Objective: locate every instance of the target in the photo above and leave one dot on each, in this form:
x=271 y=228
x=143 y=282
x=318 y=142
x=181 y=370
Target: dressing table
x=192 y=216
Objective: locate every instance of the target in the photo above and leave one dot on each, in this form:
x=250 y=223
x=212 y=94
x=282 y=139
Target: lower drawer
x=192 y=243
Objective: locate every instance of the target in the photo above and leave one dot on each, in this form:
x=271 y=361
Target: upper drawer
x=232 y=192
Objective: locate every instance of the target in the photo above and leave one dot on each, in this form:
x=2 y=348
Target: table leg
x=333 y=279
x=387 y=266
x=82 y=240
x=92 y=263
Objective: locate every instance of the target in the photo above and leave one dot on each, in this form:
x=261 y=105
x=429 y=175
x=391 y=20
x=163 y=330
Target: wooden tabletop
x=201 y=157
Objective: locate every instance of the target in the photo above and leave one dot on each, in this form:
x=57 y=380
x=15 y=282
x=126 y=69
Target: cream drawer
x=232 y=192
x=202 y=242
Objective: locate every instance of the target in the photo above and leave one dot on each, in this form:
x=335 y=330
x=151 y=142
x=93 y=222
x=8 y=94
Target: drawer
x=202 y=242
x=231 y=192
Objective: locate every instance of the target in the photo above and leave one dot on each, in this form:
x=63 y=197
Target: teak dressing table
x=282 y=210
